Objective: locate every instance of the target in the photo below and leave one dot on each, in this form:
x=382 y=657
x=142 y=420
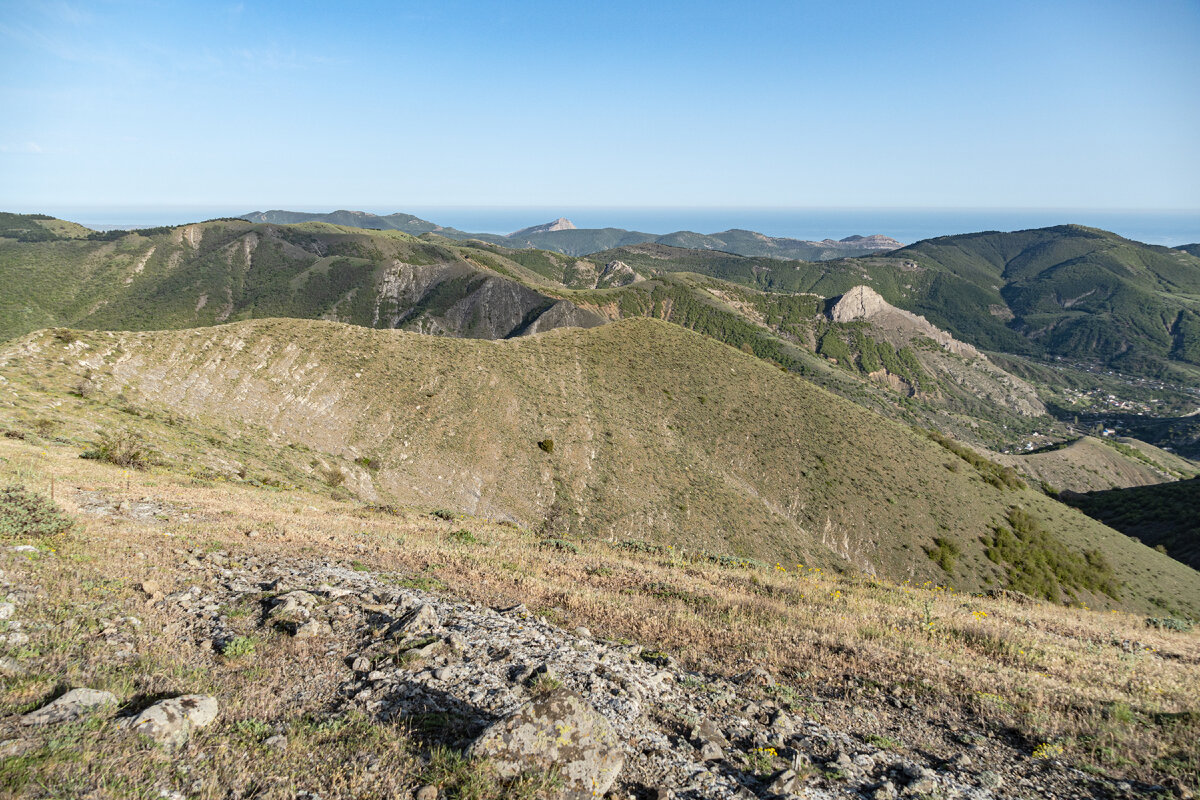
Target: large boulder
x=558 y=730
x=71 y=706
x=171 y=722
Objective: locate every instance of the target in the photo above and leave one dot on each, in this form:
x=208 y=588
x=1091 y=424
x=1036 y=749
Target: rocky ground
x=457 y=673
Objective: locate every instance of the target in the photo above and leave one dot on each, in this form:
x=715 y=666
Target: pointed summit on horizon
x=560 y=224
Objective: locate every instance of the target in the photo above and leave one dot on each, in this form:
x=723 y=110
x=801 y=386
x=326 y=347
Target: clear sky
x=1091 y=104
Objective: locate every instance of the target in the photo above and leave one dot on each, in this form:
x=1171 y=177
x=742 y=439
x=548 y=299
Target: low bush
x=26 y=514
x=124 y=448
x=1169 y=624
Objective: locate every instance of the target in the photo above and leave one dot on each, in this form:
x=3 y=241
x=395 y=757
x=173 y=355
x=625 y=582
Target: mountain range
x=887 y=341
x=561 y=236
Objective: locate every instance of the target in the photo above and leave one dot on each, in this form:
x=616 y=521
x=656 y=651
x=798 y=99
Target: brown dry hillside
x=637 y=430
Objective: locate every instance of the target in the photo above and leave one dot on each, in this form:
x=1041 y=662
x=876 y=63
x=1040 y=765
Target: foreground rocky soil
x=349 y=642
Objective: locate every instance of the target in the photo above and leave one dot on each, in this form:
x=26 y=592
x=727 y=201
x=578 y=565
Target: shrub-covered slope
x=637 y=430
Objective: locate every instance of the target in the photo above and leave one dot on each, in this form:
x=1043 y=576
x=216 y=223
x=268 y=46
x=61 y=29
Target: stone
x=559 y=729
x=292 y=605
x=10 y=748
x=757 y=677
x=421 y=619
x=426 y=793
x=71 y=706
x=10 y=667
x=711 y=751
x=7 y=610
x=312 y=629
x=885 y=791
x=786 y=782
x=23 y=548
x=991 y=780
x=276 y=742
x=707 y=731
x=171 y=722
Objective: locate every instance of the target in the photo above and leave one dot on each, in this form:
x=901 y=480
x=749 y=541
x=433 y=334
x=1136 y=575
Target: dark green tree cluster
x=1039 y=564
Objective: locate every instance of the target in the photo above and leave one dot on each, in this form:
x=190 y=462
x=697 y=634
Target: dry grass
x=1116 y=695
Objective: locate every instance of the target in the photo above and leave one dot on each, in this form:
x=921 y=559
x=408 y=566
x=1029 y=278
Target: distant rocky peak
x=864 y=303
x=560 y=224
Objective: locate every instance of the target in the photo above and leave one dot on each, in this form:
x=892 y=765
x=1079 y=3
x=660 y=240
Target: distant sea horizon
x=1161 y=227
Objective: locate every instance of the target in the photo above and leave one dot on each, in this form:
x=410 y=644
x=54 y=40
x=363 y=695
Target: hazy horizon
x=1162 y=227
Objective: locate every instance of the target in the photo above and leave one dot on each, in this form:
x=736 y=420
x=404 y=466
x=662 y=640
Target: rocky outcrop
x=617 y=273
x=864 y=303
x=560 y=224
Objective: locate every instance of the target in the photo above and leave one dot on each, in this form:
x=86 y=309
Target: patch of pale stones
x=528 y=695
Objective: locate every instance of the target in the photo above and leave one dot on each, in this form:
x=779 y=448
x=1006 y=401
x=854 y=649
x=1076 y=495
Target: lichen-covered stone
x=559 y=730
x=171 y=722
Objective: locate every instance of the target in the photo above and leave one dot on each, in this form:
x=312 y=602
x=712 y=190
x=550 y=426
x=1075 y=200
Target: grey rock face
x=171 y=722
x=558 y=730
x=71 y=706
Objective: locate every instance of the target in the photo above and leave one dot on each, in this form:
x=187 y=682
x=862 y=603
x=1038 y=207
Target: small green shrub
x=943 y=553
x=28 y=514
x=884 y=742
x=547 y=445
x=544 y=683
x=238 y=647
x=992 y=473
x=1169 y=624
x=123 y=448
x=463 y=536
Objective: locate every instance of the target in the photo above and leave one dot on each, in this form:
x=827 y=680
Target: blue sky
x=795 y=104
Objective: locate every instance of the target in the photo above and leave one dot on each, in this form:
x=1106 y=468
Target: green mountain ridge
x=1067 y=291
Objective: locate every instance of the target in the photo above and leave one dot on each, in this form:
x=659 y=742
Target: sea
x=1169 y=227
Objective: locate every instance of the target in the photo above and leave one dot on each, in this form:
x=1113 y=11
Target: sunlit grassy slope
x=636 y=430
